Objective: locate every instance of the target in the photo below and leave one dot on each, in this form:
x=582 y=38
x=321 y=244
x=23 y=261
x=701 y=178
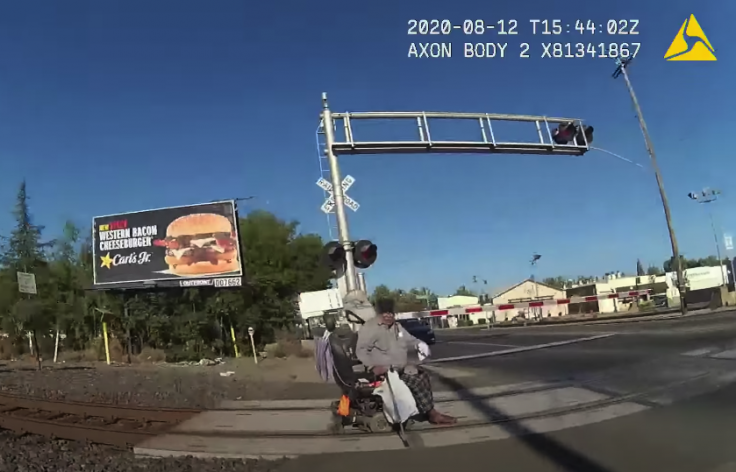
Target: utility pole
x=621 y=71
x=343 y=234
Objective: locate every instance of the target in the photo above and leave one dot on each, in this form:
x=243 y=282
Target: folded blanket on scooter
x=323 y=358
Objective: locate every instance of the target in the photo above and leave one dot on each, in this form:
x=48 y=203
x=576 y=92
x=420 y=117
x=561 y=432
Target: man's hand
x=380 y=370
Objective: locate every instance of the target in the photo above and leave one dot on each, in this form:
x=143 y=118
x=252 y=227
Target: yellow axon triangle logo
x=690 y=44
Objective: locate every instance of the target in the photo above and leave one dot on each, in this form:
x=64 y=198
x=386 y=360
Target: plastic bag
x=423 y=351
x=400 y=406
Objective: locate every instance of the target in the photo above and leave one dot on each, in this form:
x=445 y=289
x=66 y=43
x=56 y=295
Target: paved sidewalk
x=692 y=436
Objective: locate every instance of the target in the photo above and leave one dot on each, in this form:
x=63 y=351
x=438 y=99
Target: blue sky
x=127 y=104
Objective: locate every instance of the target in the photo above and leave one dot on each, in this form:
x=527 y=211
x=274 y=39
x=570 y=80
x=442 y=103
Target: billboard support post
x=126 y=315
x=107 y=343
x=104 y=332
x=235 y=340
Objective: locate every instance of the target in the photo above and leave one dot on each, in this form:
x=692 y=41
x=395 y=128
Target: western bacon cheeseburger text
x=117 y=235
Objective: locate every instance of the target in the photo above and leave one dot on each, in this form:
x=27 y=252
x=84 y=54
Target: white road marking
x=730 y=354
x=726 y=467
x=699 y=352
x=451 y=373
x=468 y=343
x=520 y=349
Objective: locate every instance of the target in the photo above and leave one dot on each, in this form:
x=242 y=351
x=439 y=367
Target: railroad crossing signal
x=364 y=252
x=329 y=205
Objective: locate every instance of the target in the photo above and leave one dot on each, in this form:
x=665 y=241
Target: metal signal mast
x=556 y=136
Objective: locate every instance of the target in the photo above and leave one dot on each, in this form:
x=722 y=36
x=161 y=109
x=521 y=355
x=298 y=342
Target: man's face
x=388 y=318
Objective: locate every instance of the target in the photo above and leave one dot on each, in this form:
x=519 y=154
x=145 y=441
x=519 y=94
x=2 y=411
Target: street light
x=482 y=297
x=621 y=66
x=533 y=262
x=708 y=196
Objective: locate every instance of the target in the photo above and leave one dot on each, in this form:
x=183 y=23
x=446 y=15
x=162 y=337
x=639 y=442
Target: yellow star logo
x=106 y=261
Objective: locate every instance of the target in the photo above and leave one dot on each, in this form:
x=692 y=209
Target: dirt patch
x=170 y=385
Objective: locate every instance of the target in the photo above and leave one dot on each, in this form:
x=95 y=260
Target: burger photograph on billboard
x=191 y=245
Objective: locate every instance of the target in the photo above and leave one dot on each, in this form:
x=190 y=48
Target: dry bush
x=149 y=354
x=13 y=347
x=7 y=351
x=96 y=352
x=72 y=356
x=288 y=344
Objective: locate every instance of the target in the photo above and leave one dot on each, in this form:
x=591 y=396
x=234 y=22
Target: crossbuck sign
x=329 y=205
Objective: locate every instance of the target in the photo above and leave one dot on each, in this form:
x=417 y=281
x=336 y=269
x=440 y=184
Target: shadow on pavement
x=561 y=455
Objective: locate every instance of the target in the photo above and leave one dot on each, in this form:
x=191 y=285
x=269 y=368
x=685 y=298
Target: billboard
x=187 y=246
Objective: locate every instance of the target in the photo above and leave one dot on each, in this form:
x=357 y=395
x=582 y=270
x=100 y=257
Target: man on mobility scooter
x=384 y=344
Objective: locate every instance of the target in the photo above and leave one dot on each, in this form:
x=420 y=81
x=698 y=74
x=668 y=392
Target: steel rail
x=101 y=410
x=99 y=423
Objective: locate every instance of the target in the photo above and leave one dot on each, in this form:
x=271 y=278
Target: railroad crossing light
x=588 y=132
x=334 y=255
x=365 y=254
x=568 y=133
x=564 y=133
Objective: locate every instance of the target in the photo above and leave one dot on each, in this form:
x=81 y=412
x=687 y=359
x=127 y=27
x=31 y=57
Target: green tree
x=191 y=323
x=66 y=290
x=381 y=292
x=639 y=268
x=710 y=261
x=415 y=299
x=670 y=266
x=24 y=251
x=462 y=290
x=556 y=282
x=654 y=270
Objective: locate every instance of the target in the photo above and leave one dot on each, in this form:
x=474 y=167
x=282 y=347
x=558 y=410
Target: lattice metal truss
x=324 y=172
x=488 y=141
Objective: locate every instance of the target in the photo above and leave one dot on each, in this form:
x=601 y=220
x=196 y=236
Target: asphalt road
x=630 y=344
x=694 y=434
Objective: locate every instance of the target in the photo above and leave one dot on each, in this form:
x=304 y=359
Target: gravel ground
x=167 y=385
x=34 y=453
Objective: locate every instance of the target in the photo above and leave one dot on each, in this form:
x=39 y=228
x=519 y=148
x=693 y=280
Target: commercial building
x=700 y=281
x=525 y=291
x=528 y=291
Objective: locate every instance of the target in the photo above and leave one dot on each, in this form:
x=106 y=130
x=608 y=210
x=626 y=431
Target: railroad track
x=92 y=422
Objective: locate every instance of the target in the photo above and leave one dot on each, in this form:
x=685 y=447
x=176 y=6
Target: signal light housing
x=586 y=131
x=334 y=255
x=564 y=133
x=568 y=133
x=365 y=254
